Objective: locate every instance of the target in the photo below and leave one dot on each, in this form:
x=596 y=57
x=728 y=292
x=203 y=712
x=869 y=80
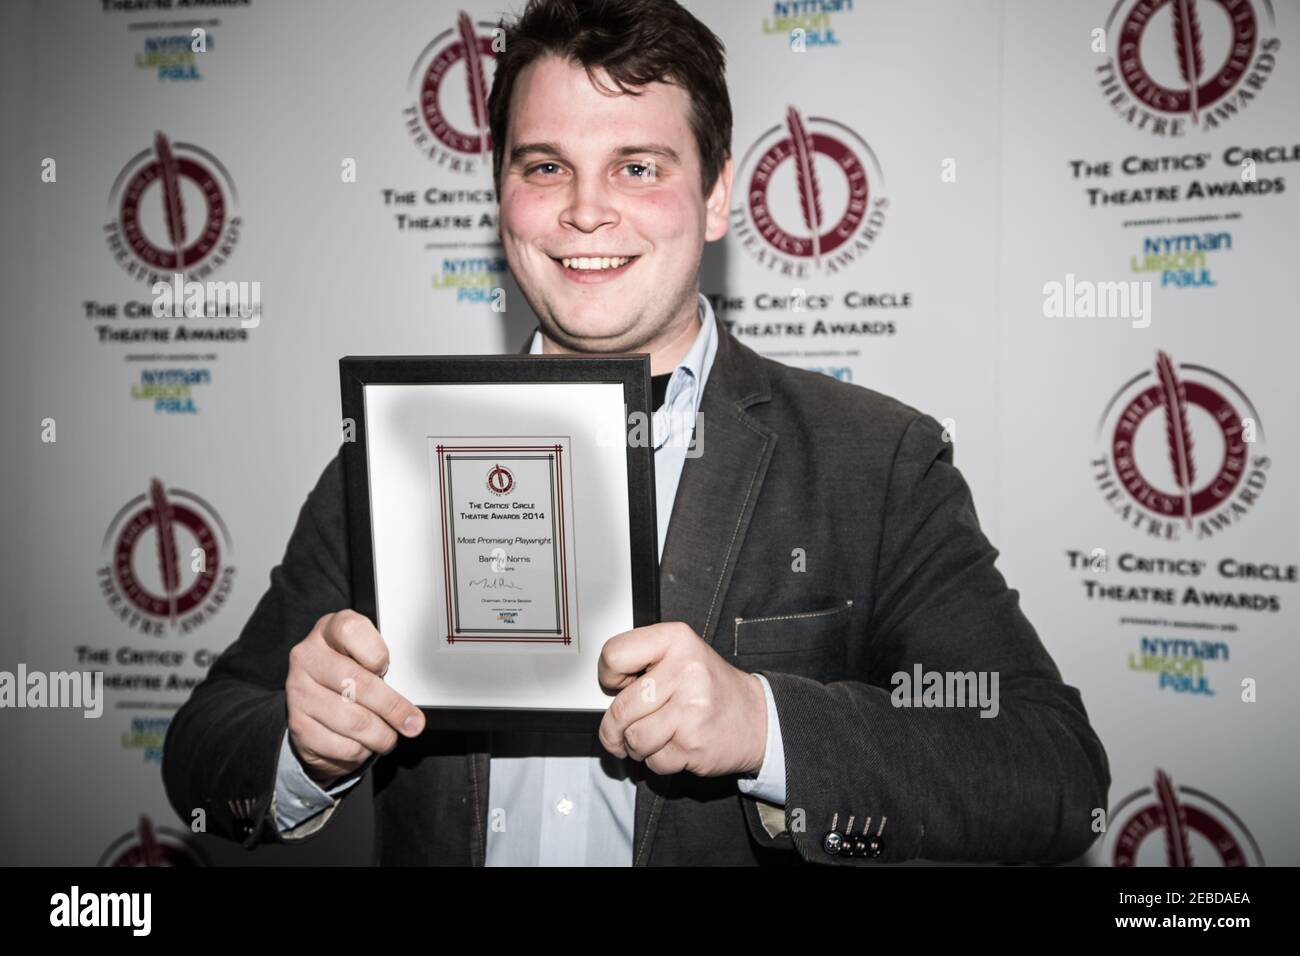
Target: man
x=821 y=543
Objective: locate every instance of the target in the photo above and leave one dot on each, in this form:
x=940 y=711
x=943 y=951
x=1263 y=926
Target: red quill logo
x=150 y=848
x=171 y=190
x=1187 y=43
x=499 y=480
x=1177 y=431
x=810 y=194
x=1177 y=849
x=167 y=559
x=474 y=79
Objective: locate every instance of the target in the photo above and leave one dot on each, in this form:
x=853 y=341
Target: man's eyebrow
x=519 y=152
x=655 y=149
x=525 y=149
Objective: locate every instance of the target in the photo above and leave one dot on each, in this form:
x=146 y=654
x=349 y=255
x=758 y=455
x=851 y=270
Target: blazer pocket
x=793 y=633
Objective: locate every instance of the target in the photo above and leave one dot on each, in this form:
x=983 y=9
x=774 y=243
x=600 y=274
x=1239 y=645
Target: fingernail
x=412 y=725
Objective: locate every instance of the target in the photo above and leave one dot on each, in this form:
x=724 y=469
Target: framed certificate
x=501 y=517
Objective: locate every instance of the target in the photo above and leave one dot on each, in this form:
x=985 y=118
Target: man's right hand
x=341 y=712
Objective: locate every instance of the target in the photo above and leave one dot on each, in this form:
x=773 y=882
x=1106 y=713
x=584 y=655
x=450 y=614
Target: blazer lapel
x=715 y=501
x=717 y=492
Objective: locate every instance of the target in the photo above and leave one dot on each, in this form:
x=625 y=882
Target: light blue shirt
x=575 y=805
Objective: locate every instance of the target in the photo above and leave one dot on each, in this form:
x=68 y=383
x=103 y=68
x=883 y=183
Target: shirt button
x=564 y=805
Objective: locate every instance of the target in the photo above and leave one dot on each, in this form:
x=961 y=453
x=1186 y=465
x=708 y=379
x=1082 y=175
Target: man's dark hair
x=637 y=42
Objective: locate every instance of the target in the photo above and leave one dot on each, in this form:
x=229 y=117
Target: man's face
x=591 y=175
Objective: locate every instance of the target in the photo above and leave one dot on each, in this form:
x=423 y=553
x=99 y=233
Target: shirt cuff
x=297 y=796
x=769 y=785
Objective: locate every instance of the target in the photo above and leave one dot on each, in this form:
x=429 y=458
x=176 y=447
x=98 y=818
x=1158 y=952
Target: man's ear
x=718 y=204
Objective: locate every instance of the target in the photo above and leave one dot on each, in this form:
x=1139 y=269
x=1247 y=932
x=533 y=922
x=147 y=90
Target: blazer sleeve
x=943 y=782
x=222 y=748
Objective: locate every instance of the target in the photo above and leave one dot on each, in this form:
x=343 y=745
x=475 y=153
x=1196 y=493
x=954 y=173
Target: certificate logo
x=1177 y=826
x=149 y=845
x=1181 y=63
x=1182 y=452
x=447 y=117
x=810 y=200
x=500 y=481
x=165 y=566
x=173 y=211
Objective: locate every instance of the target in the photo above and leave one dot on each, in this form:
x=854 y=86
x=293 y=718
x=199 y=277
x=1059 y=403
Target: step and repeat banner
x=1061 y=228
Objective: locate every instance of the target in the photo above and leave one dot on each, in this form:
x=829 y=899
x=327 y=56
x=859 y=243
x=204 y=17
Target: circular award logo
x=1165 y=825
x=809 y=198
x=1176 y=62
x=500 y=481
x=448 y=118
x=1182 y=452
x=166 y=568
x=149 y=845
x=172 y=212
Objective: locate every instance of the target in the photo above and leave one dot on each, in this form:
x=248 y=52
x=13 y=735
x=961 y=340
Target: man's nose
x=591 y=204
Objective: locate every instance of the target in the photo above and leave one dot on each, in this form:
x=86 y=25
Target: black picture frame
x=632 y=372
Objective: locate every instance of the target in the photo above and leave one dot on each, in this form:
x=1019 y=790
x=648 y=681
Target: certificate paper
x=505 y=513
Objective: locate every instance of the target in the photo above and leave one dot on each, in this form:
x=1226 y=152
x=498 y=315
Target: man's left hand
x=679 y=705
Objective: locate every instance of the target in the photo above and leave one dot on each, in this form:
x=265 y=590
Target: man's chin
x=592 y=327
x=602 y=338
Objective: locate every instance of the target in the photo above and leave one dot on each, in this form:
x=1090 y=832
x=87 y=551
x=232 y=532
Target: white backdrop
x=968 y=153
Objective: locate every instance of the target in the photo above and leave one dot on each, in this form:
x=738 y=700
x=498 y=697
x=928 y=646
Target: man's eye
x=544 y=166
x=644 y=171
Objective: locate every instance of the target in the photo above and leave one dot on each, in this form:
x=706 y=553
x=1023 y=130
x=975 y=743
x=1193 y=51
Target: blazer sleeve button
x=875 y=846
x=833 y=843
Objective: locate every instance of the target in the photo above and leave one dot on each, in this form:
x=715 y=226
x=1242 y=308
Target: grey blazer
x=896 y=573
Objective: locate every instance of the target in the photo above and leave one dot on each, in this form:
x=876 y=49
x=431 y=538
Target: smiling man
x=606 y=203
x=820 y=551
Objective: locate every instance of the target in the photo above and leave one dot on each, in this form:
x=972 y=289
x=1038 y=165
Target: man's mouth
x=594 y=268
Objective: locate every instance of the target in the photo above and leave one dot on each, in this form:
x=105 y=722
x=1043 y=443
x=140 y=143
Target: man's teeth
x=594 y=263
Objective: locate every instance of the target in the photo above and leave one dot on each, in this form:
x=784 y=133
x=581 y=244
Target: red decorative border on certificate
x=563 y=637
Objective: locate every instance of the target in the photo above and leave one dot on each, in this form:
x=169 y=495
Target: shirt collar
x=693 y=370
